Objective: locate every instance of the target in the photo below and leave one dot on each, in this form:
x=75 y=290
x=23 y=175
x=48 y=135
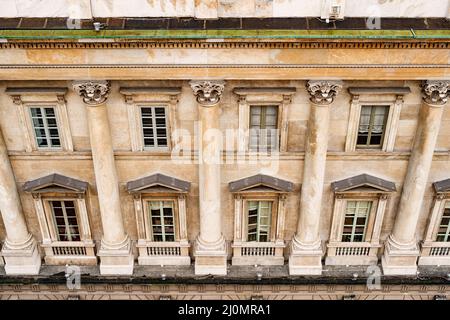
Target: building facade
x=220 y=142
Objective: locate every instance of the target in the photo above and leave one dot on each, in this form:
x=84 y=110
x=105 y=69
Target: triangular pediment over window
x=55 y=183
x=261 y=182
x=442 y=186
x=363 y=182
x=158 y=183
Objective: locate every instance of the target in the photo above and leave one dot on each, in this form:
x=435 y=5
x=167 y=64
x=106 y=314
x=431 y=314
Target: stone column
x=401 y=251
x=20 y=249
x=115 y=250
x=210 y=249
x=306 y=249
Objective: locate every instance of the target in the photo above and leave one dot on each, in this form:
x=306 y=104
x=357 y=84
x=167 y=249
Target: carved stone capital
x=93 y=92
x=436 y=92
x=323 y=92
x=208 y=92
x=17 y=99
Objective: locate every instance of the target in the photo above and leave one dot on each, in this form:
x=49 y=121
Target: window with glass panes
x=263 y=128
x=154 y=126
x=162 y=220
x=65 y=218
x=259 y=220
x=444 y=227
x=355 y=221
x=45 y=127
x=372 y=125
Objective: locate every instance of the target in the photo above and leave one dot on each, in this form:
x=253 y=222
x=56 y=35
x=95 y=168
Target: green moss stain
x=224 y=34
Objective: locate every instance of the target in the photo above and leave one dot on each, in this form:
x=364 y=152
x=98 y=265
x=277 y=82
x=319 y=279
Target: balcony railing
x=352 y=251
x=164 y=251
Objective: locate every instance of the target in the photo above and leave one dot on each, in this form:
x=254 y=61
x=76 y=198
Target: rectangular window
x=45 y=127
x=65 y=220
x=444 y=227
x=372 y=125
x=259 y=220
x=162 y=220
x=154 y=126
x=263 y=128
x=355 y=223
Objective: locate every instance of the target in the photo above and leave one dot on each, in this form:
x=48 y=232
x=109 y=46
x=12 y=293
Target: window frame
x=385 y=121
x=83 y=227
x=357 y=253
x=42 y=106
x=280 y=96
x=154 y=105
x=375 y=96
x=147 y=221
x=24 y=97
x=135 y=98
x=369 y=221
x=435 y=252
x=447 y=232
x=273 y=216
x=277 y=129
x=49 y=212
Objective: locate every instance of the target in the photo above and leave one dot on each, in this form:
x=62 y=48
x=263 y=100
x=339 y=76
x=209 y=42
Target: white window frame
x=368 y=221
x=51 y=213
x=392 y=97
x=2 y=263
x=147 y=219
x=277 y=129
x=435 y=252
x=57 y=252
x=138 y=97
x=46 y=128
x=25 y=98
x=281 y=97
x=254 y=252
x=356 y=253
x=141 y=127
x=161 y=252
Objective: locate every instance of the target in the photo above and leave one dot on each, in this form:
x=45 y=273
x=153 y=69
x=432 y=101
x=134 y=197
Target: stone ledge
x=339 y=275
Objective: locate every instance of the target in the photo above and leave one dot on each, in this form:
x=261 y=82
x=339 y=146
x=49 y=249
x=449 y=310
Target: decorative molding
x=224 y=66
x=170 y=91
x=208 y=92
x=26 y=97
x=389 y=96
x=323 y=92
x=18 y=91
x=281 y=96
x=356 y=91
x=208 y=44
x=243 y=91
x=93 y=92
x=436 y=92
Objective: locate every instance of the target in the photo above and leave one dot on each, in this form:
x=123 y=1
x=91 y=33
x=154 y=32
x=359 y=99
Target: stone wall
x=132 y=165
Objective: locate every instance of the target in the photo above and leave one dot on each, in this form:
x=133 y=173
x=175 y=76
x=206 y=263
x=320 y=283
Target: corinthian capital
x=436 y=91
x=323 y=91
x=92 y=92
x=208 y=92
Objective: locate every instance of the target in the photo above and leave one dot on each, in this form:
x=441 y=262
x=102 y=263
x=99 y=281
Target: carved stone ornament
x=322 y=92
x=92 y=92
x=208 y=92
x=436 y=91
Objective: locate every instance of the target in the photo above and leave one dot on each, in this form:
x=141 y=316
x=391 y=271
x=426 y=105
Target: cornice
x=220 y=44
x=220 y=66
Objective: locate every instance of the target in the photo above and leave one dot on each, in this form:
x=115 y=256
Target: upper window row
x=263 y=120
x=263 y=133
